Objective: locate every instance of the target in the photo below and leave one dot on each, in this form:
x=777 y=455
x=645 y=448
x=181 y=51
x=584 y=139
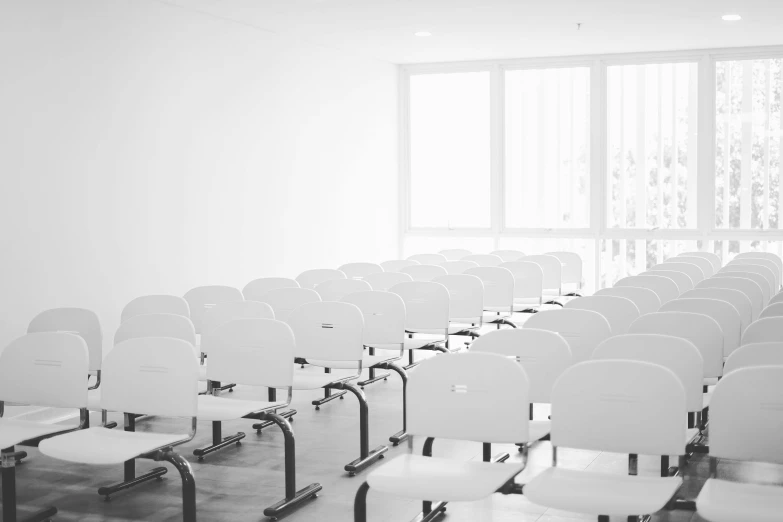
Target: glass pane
x=626 y=257
x=450 y=150
x=431 y=245
x=727 y=249
x=652 y=120
x=547 y=148
x=748 y=144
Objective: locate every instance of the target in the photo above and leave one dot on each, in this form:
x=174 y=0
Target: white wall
x=145 y=148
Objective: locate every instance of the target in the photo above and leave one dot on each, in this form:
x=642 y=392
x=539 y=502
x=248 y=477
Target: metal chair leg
x=366 y=457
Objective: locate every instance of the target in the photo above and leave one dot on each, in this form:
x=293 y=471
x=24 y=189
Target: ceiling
x=487 y=29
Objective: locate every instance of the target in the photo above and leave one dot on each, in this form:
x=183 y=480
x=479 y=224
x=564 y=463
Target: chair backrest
x=621 y=407
x=384 y=317
x=285 y=300
x=528 y=279
x=395 y=265
x=768 y=329
x=490 y=390
x=724 y=314
x=484 y=259
x=706 y=266
x=620 y=312
x=311 y=278
x=156 y=325
x=750 y=288
x=746 y=415
x=498 y=286
x=777 y=298
x=385 y=280
x=675 y=353
x=702 y=330
x=767 y=275
x=151 y=376
x=466 y=297
x=571 y=266
x=755 y=354
x=257 y=288
x=684 y=283
x=252 y=351
x=693 y=271
x=745 y=272
x=543 y=354
x=455 y=254
x=663 y=286
x=709 y=256
x=358 y=270
x=772 y=310
x=769 y=256
x=736 y=298
x=328 y=331
x=508 y=255
x=203 y=297
x=428 y=259
x=155 y=304
x=458 y=267
x=336 y=289
x=646 y=300
x=760 y=261
x=225 y=312
x=45 y=369
x=582 y=329
x=552 y=268
x=426 y=304
x=424 y=272
x=79 y=321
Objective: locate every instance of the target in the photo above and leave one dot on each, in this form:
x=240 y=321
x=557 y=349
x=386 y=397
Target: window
x=547 y=146
x=652 y=119
x=450 y=150
x=748 y=144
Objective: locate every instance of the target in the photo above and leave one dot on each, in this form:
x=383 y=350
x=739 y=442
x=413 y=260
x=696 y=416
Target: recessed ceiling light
x=422 y=33
x=731 y=17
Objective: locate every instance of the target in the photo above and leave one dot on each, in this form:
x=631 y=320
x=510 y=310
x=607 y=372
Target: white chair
x=466 y=303
x=587 y=402
x=745 y=426
x=663 y=286
x=455 y=254
x=748 y=287
x=553 y=270
x=336 y=289
x=228 y=311
x=646 y=300
x=571 y=273
x=736 y=298
x=153 y=376
x=285 y=300
x=683 y=281
x=772 y=310
x=155 y=304
x=619 y=312
x=458 y=267
x=777 y=298
x=543 y=354
x=498 y=293
x=707 y=268
x=424 y=272
x=763 y=255
x=395 y=265
x=702 y=330
x=202 y=298
x=426 y=310
x=768 y=329
x=41 y=369
x=428 y=259
x=755 y=354
x=312 y=278
x=508 y=255
x=724 y=314
x=744 y=272
x=765 y=262
x=766 y=273
x=385 y=280
x=331 y=333
x=484 y=259
x=489 y=390
x=692 y=270
x=709 y=256
x=582 y=329
x=359 y=270
x=257 y=288
x=528 y=285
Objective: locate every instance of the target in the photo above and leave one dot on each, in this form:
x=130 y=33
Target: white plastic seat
x=257 y=288
x=768 y=329
x=755 y=354
x=458 y=267
x=772 y=310
x=428 y=259
x=395 y=265
x=620 y=312
x=454 y=254
x=157 y=325
x=683 y=281
x=212 y=408
x=487 y=260
x=203 y=297
x=424 y=272
x=508 y=255
x=646 y=300
x=762 y=275
x=312 y=278
x=553 y=270
x=745 y=421
x=663 y=286
x=498 y=293
x=571 y=272
x=426 y=310
x=285 y=300
x=582 y=329
x=336 y=289
x=750 y=288
x=466 y=301
x=707 y=268
x=385 y=280
x=230 y=310
x=155 y=304
x=528 y=284
x=736 y=298
x=764 y=262
x=99 y=446
x=769 y=256
x=692 y=270
x=724 y=314
x=359 y=270
x=709 y=256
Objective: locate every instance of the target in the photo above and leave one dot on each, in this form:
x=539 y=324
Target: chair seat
x=102 y=446
x=706 y=398
x=14 y=431
x=538 y=429
x=594 y=493
x=724 y=501
x=94 y=400
x=454 y=329
x=367 y=361
x=202 y=372
x=212 y=408
x=430 y=478
x=314 y=380
x=710 y=381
